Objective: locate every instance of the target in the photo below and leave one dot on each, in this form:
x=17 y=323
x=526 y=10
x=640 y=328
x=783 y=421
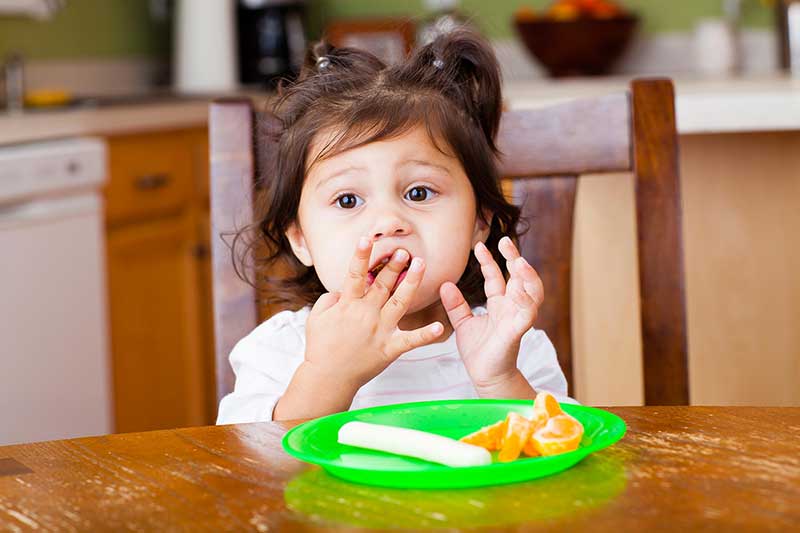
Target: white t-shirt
x=265 y=361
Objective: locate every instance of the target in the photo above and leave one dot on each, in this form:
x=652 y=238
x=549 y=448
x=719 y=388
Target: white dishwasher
x=55 y=375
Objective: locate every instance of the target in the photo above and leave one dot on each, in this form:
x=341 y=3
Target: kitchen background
x=105 y=307
x=135 y=36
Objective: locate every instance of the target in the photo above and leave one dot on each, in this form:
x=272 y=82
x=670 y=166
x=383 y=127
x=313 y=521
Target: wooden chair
x=545 y=149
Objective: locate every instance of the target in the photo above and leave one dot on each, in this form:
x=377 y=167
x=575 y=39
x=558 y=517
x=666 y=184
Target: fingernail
x=363 y=243
x=400 y=255
x=437 y=328
x=416 y=264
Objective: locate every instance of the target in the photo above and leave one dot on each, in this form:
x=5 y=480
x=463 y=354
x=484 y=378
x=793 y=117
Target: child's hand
x=352 y=336
x=489 y=344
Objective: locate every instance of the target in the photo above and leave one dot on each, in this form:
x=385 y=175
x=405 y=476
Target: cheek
x=331 y=259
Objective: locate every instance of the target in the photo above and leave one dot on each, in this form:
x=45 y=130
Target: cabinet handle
x=200 y=251
x=149 y=182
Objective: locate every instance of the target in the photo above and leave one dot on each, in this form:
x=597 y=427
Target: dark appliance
x=272 y=40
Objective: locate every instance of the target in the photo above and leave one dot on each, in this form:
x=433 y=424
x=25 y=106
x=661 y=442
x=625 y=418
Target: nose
x=389 y=223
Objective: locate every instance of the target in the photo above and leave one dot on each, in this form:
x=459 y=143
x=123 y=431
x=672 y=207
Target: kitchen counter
x=702 y=106
x=729 y=105
x=114 y=116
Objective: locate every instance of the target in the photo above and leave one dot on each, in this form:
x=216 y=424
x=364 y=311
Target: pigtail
x=461 y=66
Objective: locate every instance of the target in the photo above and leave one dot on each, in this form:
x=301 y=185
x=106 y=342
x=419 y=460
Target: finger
x=405 y=341
x=494 y=283
x=355 y=282
x=508 y=249
x=531 y=282
x=527 y=308
x=519 y=295
x=380 y=289
x=400 y=301
x=457 y=308
x=326 y=301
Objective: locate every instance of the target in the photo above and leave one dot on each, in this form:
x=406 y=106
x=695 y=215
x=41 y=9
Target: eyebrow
x=418 y=162
x=424 y=163
x=338 y=173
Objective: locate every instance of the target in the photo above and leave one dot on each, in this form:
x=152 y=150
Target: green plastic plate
x=315 y=442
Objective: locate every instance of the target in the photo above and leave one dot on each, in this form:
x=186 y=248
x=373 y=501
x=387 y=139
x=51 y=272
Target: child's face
x=402 y=192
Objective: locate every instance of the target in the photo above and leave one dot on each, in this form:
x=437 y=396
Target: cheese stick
x=413 y=443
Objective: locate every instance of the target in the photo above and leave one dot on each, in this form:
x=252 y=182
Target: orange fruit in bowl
x=560 y=434
x=564 y=12
x=525 y=13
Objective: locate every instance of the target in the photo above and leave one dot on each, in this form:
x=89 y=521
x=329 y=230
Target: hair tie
x=438 y=63
x=323 y=62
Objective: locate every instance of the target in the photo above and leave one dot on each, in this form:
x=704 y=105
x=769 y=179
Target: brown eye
x=347 y=201
x=419 y=194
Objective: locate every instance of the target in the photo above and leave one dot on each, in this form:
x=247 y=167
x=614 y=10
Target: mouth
x=379 y=265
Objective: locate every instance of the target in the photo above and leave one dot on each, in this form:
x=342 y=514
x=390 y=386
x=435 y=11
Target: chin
x=420 y=303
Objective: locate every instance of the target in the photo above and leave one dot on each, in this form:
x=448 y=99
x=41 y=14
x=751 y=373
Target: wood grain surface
x=677 y=468
x=548 y=206
x=231 y=138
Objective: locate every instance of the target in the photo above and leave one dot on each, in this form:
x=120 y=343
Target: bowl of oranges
x=576 y=37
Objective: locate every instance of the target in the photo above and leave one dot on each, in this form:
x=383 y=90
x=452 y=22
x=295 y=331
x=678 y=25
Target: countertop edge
x=702 y=108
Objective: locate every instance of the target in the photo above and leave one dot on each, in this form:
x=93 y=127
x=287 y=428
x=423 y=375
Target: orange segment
x=546 y=403
x=529 y=449
x=518 y=431
x=489 y=437
x=538 y=420
x=560 y=434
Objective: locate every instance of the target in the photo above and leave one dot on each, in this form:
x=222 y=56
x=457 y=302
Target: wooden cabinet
x=159 y=281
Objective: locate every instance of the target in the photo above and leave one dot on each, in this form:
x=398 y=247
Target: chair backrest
x=544 y=150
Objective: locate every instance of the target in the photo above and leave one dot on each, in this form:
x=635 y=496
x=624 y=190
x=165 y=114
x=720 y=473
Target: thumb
x=457 y=308
x=326 y=301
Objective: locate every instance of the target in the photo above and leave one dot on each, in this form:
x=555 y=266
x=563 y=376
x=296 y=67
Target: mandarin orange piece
x=538 y=419
x=489 y=437
x=529 y=449
x=560 y=434
x=546 y=403
x=518 y=431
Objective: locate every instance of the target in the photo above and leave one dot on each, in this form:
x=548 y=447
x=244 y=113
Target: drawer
x=150 y=174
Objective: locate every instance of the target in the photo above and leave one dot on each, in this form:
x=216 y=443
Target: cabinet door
x=157 y=316
x=151 y=174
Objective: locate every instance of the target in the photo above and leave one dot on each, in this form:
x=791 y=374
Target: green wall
x=493 y=16
x=87 y=28
x=123 y=28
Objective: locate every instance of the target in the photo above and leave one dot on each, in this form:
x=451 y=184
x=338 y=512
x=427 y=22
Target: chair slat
x=577 y=137
x=231 y=150
x=658 y=215
x=548 y=206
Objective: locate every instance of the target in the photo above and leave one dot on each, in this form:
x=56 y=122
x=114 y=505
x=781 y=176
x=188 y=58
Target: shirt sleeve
x=263 y=362
x=538 y=363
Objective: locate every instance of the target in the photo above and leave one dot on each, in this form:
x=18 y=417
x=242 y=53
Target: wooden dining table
x=676 y=469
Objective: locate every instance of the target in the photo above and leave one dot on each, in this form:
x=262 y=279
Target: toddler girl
x=384 y=184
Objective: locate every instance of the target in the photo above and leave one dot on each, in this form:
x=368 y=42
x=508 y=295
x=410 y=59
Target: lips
x=380 y=263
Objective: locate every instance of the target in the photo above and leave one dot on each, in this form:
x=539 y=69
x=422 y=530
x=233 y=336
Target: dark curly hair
x=452 y=86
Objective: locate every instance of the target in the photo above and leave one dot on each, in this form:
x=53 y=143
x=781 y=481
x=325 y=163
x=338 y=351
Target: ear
x=482 y=229
x=298 y=243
